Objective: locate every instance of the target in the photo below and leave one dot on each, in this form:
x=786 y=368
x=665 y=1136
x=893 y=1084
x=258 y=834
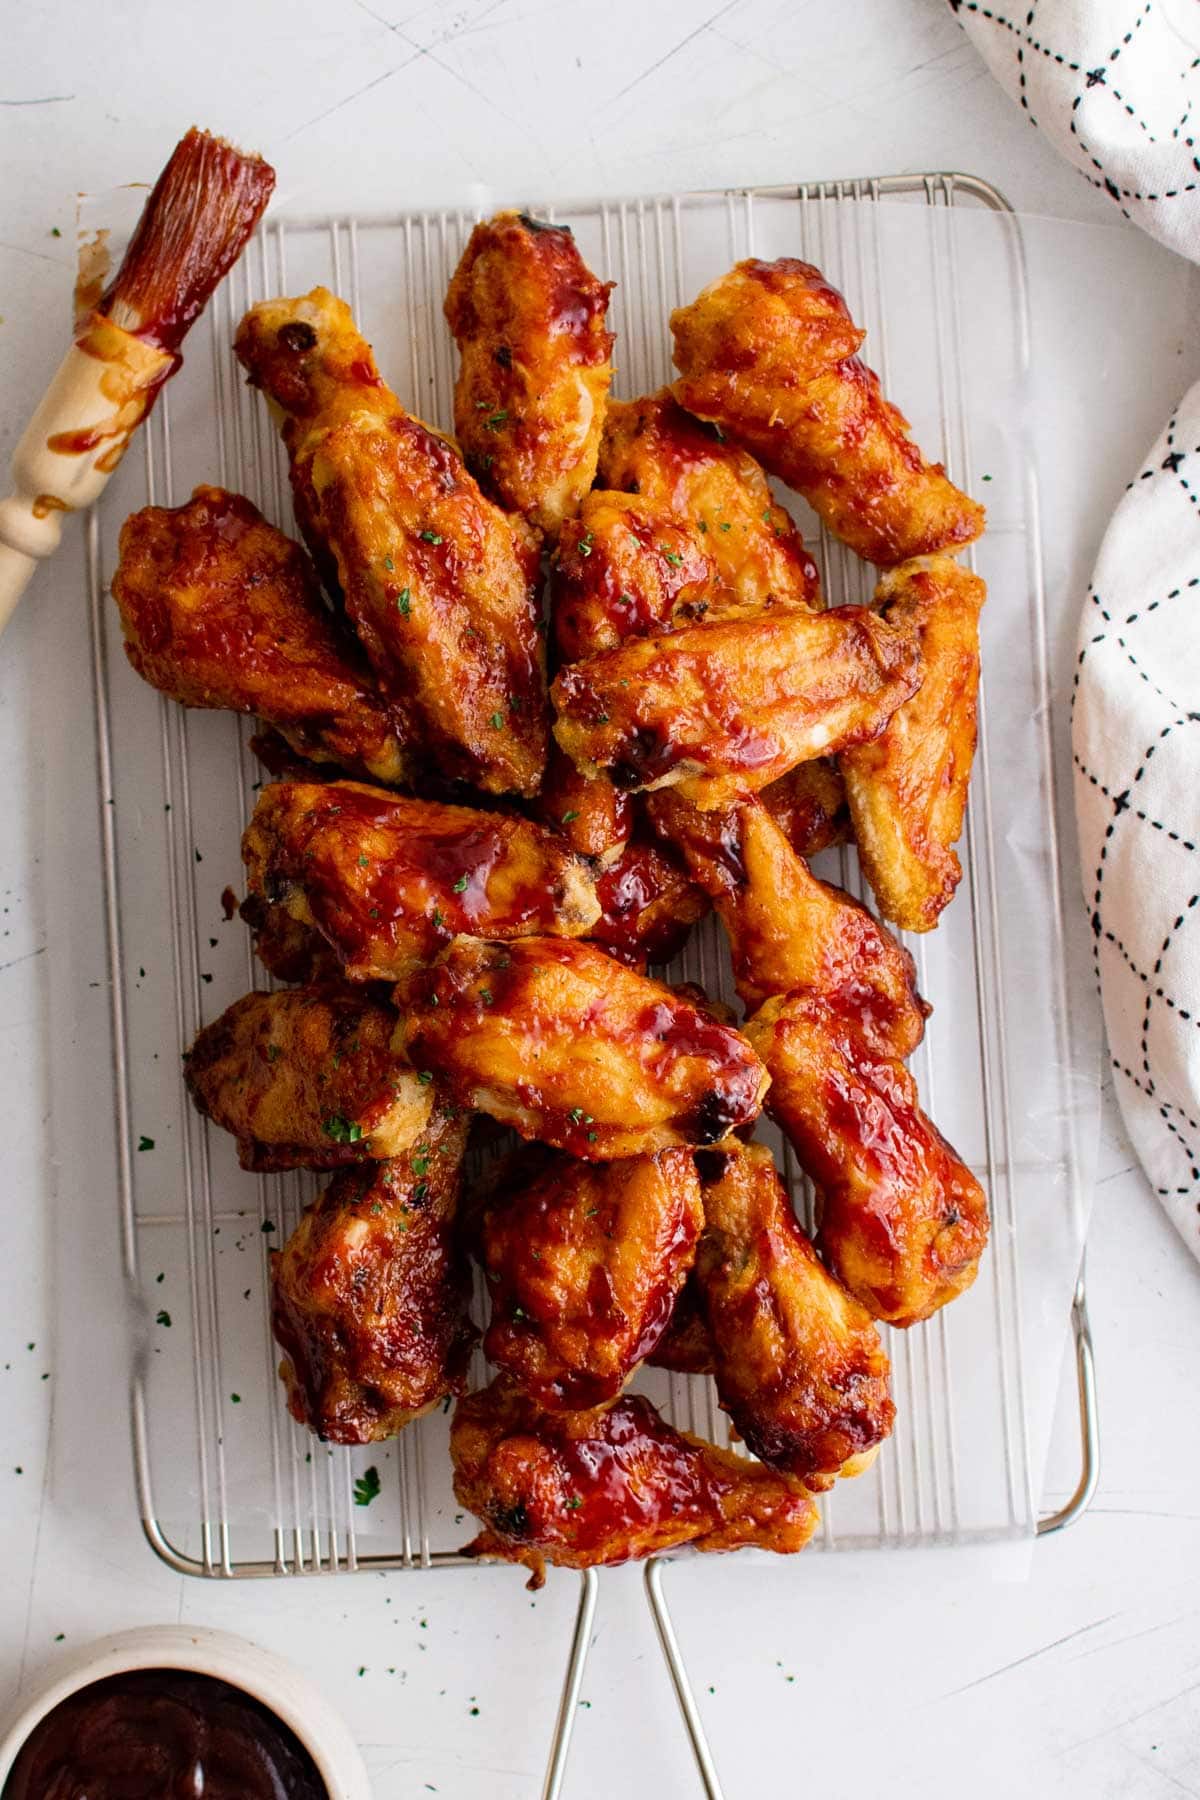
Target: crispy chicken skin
x=908 y=789
x=724 y=709
x=555 y=1038
x=768 y=353
x=653 y=448
x=221 y=610
x=306 y=1079
x=583 y=1263
x=787 y=929
x=579 y=1489
x=389 y=881
x=800 y=1369
x=903 y=1221
x=370 y=1293
x=439 y=583
x=528 y=316
x=648 y=905
x=809 y=805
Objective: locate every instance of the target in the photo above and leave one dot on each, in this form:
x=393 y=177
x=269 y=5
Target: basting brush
x=192 y=230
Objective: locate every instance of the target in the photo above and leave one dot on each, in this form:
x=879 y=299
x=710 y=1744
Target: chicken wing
x=221 y=610
x=903 y=1221
x=648 y=905
x=306 y=1079
x=723 y=709
x=809 y=805
x=627 y=568
x=800 y=1369
x=587 y=1488
x=788 y=930
x=768 y=354
x=558 y=1040
x=908 y=789
x=653 y=448
x=686 y=1346
x=370 y=1293
x=583 y=1263
x=593 y=816
x=528 y=316
x=438 y=582
x=389 y=881
x=291 y=950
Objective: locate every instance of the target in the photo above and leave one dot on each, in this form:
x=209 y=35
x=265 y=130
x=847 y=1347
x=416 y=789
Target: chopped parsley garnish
x=421 y=1165
x=236 y=1398
x=624 y=599
x=498 y=721
x=585 y=543
x=162 y=1317
x=576 y=1115
x=425 y=1075
x=676 y=562
x=388 y=564
x=145 y=1143
x=419 y=1193
x=485 y=994
x=364 y=862
x=438 y=920
x=495 y=420
x=430 y=537
x=342 y=1131
x=574 y=1503
x=403 y=604
x=568 y=816
x=460 y=886
x=367 y=1487
x=725 y=526
x=702 y=524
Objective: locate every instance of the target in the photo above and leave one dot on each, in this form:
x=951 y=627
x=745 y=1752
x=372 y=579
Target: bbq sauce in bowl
x=163 y=1734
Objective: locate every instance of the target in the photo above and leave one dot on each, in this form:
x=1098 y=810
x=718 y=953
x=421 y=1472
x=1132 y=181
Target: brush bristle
x=192 y=230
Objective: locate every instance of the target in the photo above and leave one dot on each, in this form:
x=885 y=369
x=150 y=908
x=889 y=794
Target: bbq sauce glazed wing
x=560 y=1041
x=648 y=905
x=627 y=568
x=221 y=610
x=389 y=881
x=583 y=1263
x=800 y=1369
x=788 y=930
x=594 y=817
x=653 y=448
x=768 y=354
x=306 y=1079
x=579 y=1489
x=528 y=316
x=370 y=1294
x=723 y=709
x=810 y=807
x=908 y=789
x=903 y=1221
x=439 y=583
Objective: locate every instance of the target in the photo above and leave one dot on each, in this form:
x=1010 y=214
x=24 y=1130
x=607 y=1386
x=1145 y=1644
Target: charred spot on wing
x=532 y=224
x=297 y=336
x=714 y=1117
x=509 y=1521
x=711 y=1166
x=646 y=755
x=503 y=355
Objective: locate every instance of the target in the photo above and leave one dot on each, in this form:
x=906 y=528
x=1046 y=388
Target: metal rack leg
x=1089 y=1423
x=683 y=1687
x=568 y=1703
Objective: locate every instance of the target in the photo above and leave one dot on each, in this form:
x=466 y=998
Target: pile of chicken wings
x=536 y=698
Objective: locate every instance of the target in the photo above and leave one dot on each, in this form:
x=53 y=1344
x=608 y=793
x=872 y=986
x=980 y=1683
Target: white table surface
x=924 y=1672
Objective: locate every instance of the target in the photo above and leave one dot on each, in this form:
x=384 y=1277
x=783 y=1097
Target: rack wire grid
x=227 y=1484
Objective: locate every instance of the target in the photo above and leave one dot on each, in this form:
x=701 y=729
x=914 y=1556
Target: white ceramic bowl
x=268 y=1678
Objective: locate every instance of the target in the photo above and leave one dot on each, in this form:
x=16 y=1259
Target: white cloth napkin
x=1114 y=85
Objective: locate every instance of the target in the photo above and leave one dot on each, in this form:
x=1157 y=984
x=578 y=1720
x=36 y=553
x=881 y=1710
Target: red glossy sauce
x=163 y=1734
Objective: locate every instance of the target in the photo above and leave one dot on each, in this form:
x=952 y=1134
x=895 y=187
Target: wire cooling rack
x=228 y=1486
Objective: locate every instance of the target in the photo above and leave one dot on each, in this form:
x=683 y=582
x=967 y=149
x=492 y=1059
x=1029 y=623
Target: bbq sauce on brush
x=162 y=1734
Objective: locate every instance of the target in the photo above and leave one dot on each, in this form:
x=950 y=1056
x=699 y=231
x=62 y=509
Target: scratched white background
x=924 y=1673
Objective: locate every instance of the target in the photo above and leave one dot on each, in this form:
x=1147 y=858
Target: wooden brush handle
x=104 y=388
